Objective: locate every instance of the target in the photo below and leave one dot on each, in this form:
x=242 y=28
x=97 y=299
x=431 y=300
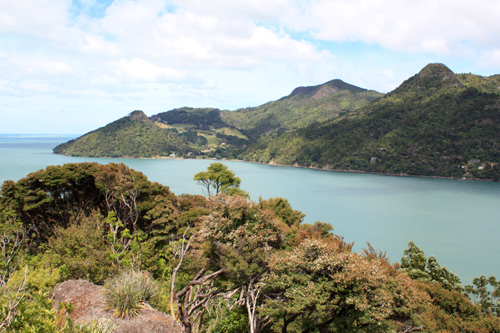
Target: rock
x=88 y=304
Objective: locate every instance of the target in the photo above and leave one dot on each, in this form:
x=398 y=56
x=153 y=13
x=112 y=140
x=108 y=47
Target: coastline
x=293 y=166
x=363 y=172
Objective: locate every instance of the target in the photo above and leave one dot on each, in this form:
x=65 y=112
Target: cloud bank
x=106 y=58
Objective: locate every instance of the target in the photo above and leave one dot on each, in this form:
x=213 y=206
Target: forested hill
x=212 y=132
x=303 y=107
x=132 y=136
x=435 y=123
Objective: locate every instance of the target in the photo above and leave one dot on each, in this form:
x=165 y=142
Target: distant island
x=436 y=123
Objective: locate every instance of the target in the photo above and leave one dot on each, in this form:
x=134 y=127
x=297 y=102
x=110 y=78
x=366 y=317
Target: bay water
x=456 y=221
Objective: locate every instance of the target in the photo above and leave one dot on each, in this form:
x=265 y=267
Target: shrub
x=126 y=293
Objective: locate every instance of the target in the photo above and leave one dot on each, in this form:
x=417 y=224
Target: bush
x=126 y=293
x=82 y=250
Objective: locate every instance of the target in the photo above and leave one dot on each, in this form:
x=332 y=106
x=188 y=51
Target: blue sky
x=68 y=67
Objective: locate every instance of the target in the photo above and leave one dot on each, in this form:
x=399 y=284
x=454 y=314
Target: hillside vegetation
x=132 y=136
x=436 y=123
x=303 y=107
x=432 y=125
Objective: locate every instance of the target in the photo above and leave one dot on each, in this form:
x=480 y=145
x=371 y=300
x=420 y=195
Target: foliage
x=283 y=210
x=219 y=179
x=241 y=235
x=452 y=311
x=101 y=325
x=236 y=239
x=232 y=322
x=13 y=245
x=433 y=124
x=230 y=264
x=43 y=273
x=61 y=196
x=303 y=107
x=321 y=285
x=52 y=197
x=82 y=251
x=419 y=268
x=188 y=131
x=126 y=293
x=202 y=118
x=485 y=292
x=32 y=313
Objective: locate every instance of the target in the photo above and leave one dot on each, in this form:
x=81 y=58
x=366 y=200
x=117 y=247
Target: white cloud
x=491 y=58
x=198 y=38
x=403 y=25
x=260 y=10
x=42 y=18
x=38 y=67
x=139 y=70
x=159 y=54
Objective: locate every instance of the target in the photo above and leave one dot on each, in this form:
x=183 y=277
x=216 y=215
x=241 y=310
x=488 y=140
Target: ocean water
x=456 y=221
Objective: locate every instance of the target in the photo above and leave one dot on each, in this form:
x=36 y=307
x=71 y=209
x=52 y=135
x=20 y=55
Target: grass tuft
x=126 y=293
x=100 y=325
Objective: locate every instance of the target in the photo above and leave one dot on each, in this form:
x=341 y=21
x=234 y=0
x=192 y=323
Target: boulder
x=88 y=305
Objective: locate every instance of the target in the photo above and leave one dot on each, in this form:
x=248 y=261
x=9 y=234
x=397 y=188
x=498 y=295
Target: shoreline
x=363 y=172
x=291 y=166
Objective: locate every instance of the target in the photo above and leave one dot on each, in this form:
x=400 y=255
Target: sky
x=71 y=66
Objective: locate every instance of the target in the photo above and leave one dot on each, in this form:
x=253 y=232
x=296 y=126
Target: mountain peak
x=325 y=89
x=432 y=77
x=440 y=74
x=436 y=70
x=137 y=115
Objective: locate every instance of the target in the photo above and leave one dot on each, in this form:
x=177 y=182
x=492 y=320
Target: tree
x=243 y=234
x=321 y=285
x=53 y=197
x=485 y=292
x=419 y=268
x=219 y=179
x=235 y=241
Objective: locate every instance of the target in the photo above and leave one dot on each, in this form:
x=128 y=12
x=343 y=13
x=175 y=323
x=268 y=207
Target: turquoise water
x=456 y=221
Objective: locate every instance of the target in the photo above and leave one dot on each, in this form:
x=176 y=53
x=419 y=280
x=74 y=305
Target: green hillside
x=433 y=124
x=212 y=132
x=132 y=136
x=490 y=84
x=303 y=107
x=200 y=118
x=436 y=123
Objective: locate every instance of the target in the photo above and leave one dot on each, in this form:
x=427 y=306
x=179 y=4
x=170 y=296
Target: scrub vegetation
x=220 y=263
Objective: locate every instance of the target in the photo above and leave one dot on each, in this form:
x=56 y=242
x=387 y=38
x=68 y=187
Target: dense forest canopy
x=220 y=263
x=436 y=123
